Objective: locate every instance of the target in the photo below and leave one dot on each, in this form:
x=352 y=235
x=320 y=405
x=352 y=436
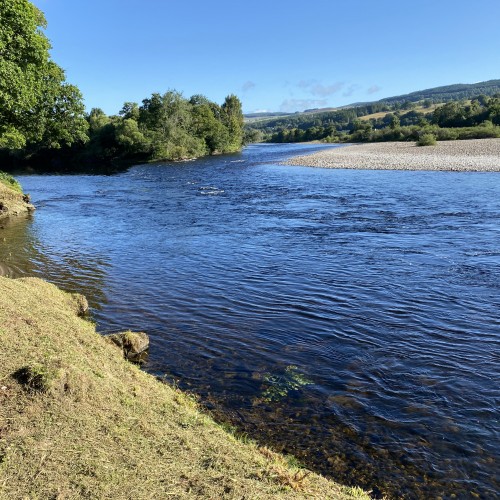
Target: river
x=348 y=317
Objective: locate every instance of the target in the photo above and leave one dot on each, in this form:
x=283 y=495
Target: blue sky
x=275 y=55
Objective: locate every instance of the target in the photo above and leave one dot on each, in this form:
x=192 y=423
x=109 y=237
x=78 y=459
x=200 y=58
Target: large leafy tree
x=38 y=108
x=233 y=119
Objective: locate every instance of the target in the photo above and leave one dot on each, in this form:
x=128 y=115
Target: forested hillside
x=447 y=93
x=408 y=109
x=380 y=121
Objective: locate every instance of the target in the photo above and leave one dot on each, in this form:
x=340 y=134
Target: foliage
x=166 y=126
x=38 y=109
x=232 y=118
x=10 y=182
x=279 y=386
x=41 y=113
x=474 y=119
x=427 y=139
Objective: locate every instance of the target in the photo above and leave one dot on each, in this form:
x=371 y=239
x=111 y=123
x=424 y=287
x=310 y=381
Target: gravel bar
x=475 y=155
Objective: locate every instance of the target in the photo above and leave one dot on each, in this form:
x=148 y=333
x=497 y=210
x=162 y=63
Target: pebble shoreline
x=475 y=155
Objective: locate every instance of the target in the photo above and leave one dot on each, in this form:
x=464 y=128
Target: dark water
x=348 y=317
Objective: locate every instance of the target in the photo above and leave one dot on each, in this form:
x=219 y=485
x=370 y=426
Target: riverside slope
x=12 y=203
x=476 y=155
x=78 y=421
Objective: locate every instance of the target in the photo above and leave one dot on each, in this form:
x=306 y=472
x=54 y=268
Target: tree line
x=477 y=118
x=164 y=126
x=43 y=119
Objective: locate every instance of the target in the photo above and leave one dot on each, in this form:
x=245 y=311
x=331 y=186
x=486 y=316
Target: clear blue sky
x=275 y=55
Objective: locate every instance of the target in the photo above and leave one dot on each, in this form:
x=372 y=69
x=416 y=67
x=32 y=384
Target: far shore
x=476 y=155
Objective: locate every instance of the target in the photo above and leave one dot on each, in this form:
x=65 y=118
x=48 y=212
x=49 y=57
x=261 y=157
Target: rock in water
x=135 y=345
x=80 y=304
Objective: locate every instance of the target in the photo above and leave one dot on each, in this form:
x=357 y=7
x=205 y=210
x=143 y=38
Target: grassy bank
x=78 y=421
x=12 y=199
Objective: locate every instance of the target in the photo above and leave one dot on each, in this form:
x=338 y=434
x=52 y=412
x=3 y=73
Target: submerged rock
x=135 y=345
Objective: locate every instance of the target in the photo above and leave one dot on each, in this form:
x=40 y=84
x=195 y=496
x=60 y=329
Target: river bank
x=13 y=202
x=77 y=420
x=477 y=155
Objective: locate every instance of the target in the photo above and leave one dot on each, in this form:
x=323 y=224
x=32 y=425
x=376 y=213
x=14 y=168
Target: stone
x=80 y=304
x=134 y=345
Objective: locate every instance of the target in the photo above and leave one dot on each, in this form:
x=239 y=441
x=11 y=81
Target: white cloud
x=292 y=105
x=248 y=86
x=318 y=89
x=351 y=89
x=374 y=89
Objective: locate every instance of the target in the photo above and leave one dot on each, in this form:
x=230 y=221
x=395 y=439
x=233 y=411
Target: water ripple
x=382 y=289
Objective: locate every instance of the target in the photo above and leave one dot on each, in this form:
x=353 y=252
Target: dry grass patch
x=78 y=421
x=382 y=114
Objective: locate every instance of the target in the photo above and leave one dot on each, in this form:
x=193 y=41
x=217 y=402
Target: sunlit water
x=382 y=288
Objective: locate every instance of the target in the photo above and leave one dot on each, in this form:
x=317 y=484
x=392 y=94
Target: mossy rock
x=135 y=345
x=79 y=304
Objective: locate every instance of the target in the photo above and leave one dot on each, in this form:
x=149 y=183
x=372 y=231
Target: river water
x=348 y=317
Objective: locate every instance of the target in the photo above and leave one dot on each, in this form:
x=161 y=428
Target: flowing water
x=348 y=317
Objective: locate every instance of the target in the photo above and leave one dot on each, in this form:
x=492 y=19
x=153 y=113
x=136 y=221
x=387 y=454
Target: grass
x=10 y=182
x=12 y=199
x=418 y=108
x=78 y=421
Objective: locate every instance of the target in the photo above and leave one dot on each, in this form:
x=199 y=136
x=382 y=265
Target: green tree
x=130 y=138
x=97 y=119
x=394 y=121
x=38 y=108
x=166 y=121
x=207 y=126
x=130 y=110
x=232 y=116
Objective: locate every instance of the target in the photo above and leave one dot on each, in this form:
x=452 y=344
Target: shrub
x=447 y=134
x=480 y=132
x=427 y=140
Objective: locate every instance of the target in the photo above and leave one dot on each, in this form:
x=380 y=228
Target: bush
x=427 y=140
x=447 y=134
x=480 y=132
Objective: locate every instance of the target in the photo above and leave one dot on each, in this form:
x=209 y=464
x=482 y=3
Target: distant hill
x=447 y=106
x=269 y=115
x=250 y=117
x=449 y=92
x=442 y=94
